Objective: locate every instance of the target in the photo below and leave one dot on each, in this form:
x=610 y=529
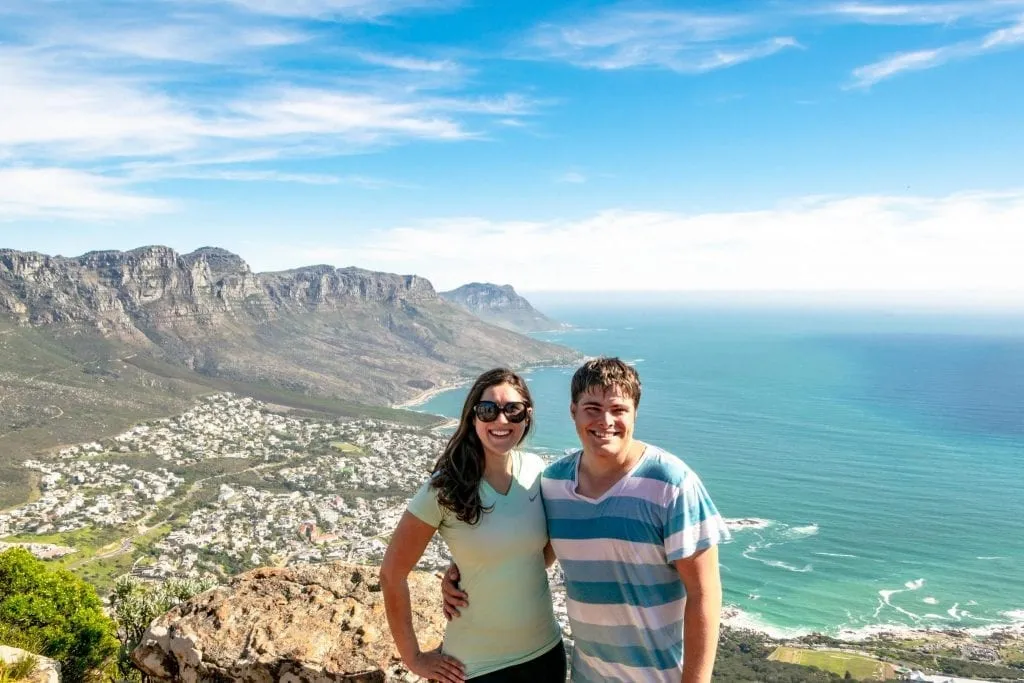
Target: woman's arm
x=404 y=551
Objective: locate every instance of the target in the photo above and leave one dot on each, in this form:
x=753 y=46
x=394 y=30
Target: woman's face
x=501 y=436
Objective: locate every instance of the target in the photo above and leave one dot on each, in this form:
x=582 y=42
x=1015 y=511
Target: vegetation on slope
x=54 y=613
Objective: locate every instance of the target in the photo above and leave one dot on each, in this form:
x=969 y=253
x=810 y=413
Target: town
x=316 y=491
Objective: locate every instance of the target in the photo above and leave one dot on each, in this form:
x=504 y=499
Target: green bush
x=55 y=614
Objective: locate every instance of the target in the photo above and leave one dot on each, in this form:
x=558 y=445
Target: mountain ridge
x=80 y=334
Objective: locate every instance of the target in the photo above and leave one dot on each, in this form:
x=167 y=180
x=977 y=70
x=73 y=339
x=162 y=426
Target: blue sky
x=809 y=146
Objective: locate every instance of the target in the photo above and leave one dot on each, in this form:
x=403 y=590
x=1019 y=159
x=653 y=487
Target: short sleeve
x=692 y=521
x=425 y=507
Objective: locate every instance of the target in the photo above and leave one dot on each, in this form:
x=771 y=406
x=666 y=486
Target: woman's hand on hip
x=435 y=666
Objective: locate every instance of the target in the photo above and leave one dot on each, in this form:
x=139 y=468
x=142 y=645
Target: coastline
x=424 y=396
x=736 y=618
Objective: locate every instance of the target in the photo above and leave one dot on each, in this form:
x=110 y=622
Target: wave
x=780 y=564
x=930 y=601
x=989 y=557
x=747 y=523
x=885 y=600
x=838 y=555
x=783 y=535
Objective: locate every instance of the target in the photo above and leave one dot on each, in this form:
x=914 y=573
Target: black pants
x=550 y=667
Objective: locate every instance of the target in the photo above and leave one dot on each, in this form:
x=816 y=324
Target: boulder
x=305 y=623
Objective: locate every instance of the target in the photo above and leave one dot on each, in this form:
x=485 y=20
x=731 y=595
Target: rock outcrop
x=500 y=305
x=47 y=670
x=306 y=623
x=150 y=285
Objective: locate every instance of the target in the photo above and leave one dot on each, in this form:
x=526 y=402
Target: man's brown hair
x=606 y=373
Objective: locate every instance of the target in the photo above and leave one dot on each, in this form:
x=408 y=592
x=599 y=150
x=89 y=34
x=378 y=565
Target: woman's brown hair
x=458 y=471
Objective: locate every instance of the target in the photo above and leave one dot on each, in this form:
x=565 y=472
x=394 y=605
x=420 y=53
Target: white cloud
x=923 y=13
x=199 y=89
x=966 y=243
x=63 y=193
x=340 y=9
x=574 y=177
x=406 y=63
x=206 y=41
x=249 y=176
x=696 y=42
x=1004 y=38
x=678 y=40
x=56 y=111
x=55 y=105
x=870 y=74
x=357 y=117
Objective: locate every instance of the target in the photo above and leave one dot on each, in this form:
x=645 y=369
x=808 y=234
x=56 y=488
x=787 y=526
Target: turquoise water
x=884 y=452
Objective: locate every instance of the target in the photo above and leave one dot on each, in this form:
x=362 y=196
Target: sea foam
x=746 y=523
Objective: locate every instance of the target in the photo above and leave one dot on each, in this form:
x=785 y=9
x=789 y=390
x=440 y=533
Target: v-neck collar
x=516 y=466
x=614 y=488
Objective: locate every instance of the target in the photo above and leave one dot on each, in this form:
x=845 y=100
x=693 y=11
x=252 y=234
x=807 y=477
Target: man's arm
x=454 y=597
x=451 y=595
x=549 y=556
x=700 y=576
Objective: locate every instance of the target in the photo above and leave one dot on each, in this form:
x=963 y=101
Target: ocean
x=882 y=455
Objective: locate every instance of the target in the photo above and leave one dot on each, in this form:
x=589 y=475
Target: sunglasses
x=487 y=411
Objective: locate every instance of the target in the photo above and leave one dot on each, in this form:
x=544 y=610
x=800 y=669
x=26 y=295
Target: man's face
x=604 y=421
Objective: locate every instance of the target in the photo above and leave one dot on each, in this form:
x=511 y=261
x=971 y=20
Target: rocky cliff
x=345 y=333
x=307 y=623
x=500 y=305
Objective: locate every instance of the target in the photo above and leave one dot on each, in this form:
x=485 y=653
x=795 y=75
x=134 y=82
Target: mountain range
x=108 y=337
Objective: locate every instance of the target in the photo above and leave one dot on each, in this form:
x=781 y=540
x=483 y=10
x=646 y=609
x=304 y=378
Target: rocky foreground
x=306 y=623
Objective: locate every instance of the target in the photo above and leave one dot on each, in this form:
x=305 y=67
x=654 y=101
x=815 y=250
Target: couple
x=632 y=526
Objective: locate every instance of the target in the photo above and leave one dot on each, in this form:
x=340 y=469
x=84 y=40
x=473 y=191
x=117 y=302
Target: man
x=636 y=534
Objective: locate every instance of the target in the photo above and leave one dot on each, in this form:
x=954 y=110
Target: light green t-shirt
x=509 y=619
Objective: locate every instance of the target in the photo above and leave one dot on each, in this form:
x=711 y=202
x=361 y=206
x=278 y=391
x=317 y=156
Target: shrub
x=55 y=614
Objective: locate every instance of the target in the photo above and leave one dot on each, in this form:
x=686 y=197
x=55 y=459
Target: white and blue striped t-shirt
x=624 y=596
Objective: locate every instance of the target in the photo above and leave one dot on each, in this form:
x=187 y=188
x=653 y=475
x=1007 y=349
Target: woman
x=484 y=499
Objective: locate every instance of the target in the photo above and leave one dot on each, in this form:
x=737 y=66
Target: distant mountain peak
x=500 y=305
